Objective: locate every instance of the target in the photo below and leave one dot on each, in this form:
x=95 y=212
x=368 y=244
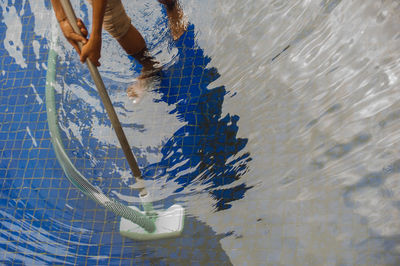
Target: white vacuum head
x=169 y=223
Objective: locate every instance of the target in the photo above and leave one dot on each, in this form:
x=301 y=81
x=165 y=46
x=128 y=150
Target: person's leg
x=118 y=24
x=176 y=18
x=134 y=45
x=132 y=42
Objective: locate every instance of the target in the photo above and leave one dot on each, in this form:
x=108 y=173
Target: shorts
x=116 y=21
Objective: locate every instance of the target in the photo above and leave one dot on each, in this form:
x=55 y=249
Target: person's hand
x=92 y=50
x=72 y=37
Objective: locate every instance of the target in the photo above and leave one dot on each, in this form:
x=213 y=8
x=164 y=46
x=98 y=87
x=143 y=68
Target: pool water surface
x=274 y=123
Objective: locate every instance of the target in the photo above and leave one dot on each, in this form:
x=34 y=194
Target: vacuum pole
x=107 y=104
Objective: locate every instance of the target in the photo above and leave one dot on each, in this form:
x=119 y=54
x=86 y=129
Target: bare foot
x=144 y=82
x=136 y=90
x=177 y=20
x=147 y=78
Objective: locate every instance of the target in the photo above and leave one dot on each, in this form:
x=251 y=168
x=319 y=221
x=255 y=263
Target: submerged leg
x=134 y=45
x=176 y=18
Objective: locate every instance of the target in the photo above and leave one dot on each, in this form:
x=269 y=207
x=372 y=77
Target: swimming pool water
x=46 y=220
x=274 y=123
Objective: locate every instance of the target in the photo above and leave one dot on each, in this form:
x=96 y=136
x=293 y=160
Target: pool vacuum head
x=169 y=223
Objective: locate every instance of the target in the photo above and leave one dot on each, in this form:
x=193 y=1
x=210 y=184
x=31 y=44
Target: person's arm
x=58 y=10
x=66 y=28
x=92 y=48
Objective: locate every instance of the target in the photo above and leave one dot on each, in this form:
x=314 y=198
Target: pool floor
x=46 y=220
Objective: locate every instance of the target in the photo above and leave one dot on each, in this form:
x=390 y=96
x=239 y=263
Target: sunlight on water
x=315 y=85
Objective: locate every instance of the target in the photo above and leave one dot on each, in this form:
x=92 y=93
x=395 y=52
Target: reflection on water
x=315 y=84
